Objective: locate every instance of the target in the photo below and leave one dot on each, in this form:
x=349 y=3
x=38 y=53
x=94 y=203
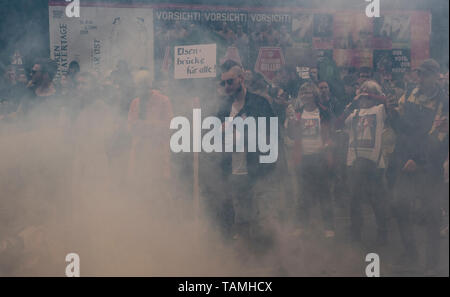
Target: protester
x=148 y=122
x=314 y=74
x=421 y=123
x=252 y=185
x=365 y=125
x=41 y=86
x=327 y=101
x=12 y=92
x=346 y=135
x=73 y=70
x=365 y=73
x=310 y=128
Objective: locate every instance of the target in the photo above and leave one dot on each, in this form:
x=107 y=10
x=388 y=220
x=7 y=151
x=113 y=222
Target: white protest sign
x=195 y=61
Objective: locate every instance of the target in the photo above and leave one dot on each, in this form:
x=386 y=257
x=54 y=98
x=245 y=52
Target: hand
x=30 y=84
x=360 y=95
x=410 y=166
x=391 y=103
x=281 y=101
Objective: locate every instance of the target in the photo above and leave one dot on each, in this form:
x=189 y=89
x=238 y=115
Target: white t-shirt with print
x=365 y=134
x=238 y=159
x=311 y=132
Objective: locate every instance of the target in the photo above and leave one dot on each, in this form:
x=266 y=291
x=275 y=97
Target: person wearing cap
x=421 y=125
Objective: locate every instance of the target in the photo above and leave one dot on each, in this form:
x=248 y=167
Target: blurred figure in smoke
x=258 y=85
x=270 y=35
x=123 y=83
x=327 y=101
x=314 y=74
x=350 y=85
x=74 y=69
x=288 y=79
x=148 y=122
x=285 y=37
x=445 y=224
x=283 y=89
x=331 y=109
x=226 y=32
x=410 y=79
x=365 y=120
x=443 y=81
x=66 y=86
x=421 y=122
x=42 y=75
x=72 y=93
x=12 y=92
x=85 y=82
x=309 y=126
x=365 y=73
x=41 y=85
x=241 y=43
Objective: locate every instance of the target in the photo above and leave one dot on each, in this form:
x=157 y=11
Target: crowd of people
x=379 y=144
x=383 y=141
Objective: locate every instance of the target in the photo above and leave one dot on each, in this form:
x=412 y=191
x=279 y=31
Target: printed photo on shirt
x=366 y=131
x=310 y=127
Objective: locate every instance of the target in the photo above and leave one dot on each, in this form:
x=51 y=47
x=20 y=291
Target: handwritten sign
x=195 y=61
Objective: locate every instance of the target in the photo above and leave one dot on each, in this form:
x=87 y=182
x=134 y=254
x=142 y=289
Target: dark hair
x=74 y=65
x=48 y=66
x=257 y=77
x=228 y=64
x=398 y=83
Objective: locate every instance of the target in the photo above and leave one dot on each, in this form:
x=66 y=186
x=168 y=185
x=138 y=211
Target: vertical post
x=196 y=191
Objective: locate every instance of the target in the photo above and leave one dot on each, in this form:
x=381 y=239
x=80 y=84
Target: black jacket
x=414 y=140
x=255 y=106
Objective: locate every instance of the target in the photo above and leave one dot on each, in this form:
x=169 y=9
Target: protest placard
x=195 y=61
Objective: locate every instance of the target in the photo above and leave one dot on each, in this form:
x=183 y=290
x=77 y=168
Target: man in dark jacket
x=421 y=124
x=252 y=185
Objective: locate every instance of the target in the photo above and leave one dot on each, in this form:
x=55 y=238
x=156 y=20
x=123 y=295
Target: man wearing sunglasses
x=252 y=185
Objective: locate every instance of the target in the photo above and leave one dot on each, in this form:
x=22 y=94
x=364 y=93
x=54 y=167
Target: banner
x=104 y=34
x=100 y=37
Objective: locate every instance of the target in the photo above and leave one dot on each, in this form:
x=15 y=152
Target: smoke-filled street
x=224 y=138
